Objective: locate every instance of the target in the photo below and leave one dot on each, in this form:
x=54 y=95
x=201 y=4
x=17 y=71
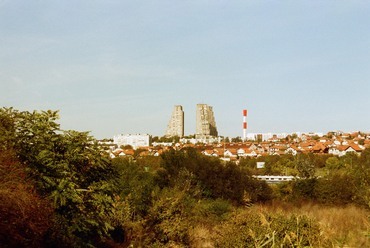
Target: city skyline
x=119 y=66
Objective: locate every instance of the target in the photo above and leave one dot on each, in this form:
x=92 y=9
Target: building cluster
x=205 y=123
x=337 y=144
x=208 y=142
x=278 y=136
x=206 y=130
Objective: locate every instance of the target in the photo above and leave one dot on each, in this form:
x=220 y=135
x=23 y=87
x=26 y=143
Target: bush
x=259 y=229
x=338 y=189
x=216 y=179
x=25 y=217
x=167 y=220
x=304 y=189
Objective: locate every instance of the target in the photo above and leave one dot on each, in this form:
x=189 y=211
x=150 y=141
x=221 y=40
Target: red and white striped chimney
x=244 y=124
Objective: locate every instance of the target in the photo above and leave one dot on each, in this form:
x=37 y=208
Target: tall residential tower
x=205 y=122
x=175 y=126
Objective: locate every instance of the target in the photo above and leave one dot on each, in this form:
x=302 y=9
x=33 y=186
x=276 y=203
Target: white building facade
x=134 y=140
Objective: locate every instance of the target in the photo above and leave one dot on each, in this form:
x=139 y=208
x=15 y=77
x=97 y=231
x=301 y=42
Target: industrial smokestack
x=244 y=124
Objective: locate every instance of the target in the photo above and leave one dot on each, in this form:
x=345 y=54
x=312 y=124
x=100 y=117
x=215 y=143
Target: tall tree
x=68 y=167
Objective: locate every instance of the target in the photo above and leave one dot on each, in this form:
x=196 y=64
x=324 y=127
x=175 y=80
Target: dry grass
x=347 y=226
x=201 y=237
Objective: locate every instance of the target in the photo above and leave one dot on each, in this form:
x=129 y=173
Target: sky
x=119 y=67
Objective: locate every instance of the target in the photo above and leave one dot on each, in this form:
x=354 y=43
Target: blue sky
x=114 y=67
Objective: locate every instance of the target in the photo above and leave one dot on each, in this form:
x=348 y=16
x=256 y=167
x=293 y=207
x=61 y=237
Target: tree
x=294 y=136
x=216 y=179
x=135 y=184
x=154 y=139
x=68 y=167
x=305 y=167
x=337 y=188
x=332 y=163
x=361 y=172
x=236 y=139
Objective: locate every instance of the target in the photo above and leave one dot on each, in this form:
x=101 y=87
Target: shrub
x=25 y=217
x=217 y=180
x=338 y=189
x=250 y=228
x=167 y=219
x=303 y=189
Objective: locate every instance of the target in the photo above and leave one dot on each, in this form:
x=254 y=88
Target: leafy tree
x=217 y=180
x=305 y=167
x=350 y=160
x=332 y=163
x=168 y=218
x=315 y=137
x=68 y=167
x=361 y=172
x=134 y=184
x=173 y=139
x=304 y=189
x=337 y=188
x=236 y=139
x=319 y=160
x=249 y=164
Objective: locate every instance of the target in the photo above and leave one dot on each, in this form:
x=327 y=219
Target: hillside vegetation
x=58 y=188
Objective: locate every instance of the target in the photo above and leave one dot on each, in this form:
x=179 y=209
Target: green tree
x=337 y=188
x=361 y=172
x=68 y=167
x=216 y=179
x=236 y=139
x=305 y=167
x=332 y=163
x=134 y=184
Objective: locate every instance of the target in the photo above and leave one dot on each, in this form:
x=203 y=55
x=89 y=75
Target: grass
x=347 y=226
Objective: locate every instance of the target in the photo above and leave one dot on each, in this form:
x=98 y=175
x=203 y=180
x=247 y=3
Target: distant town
x=208 y=142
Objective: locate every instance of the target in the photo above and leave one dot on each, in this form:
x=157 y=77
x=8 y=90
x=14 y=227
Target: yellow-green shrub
x=250 y=228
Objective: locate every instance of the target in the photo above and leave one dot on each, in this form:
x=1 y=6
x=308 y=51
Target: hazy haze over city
x=115 y=67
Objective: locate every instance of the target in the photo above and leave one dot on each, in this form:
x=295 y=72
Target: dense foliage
x=60 y=189
x=68 y=169
x=25 y=217
x=215 y=178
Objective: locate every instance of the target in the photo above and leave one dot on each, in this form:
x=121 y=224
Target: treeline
x=325 y=179
x=59 y=189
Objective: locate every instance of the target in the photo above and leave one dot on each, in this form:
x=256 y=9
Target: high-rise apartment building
x=205 y=122
x=175 y=126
